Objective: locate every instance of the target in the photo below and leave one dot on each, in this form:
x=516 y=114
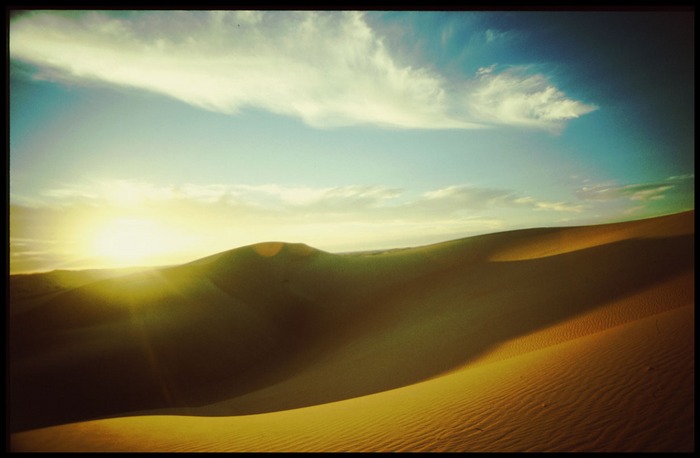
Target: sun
x=131 y=241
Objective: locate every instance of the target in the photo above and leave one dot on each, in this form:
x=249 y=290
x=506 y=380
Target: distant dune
x=551 y=339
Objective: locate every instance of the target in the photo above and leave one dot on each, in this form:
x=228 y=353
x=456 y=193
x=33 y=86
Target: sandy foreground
x=553 y=339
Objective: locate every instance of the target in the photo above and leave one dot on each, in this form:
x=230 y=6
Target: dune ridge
x=279 y=346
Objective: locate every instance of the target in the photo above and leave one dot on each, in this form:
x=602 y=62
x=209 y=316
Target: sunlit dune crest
x=564 y=240
x=268 y=249
x=552 y=339
x=271 y=249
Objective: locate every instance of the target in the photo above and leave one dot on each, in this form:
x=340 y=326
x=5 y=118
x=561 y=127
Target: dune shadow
x=451 y=316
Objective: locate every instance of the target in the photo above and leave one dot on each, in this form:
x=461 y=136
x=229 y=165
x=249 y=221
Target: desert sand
x=549 y=339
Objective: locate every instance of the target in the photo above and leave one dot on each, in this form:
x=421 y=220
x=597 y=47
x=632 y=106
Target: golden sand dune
x=557 y=339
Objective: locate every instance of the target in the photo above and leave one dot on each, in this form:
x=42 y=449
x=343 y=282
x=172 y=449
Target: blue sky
x=160 y=137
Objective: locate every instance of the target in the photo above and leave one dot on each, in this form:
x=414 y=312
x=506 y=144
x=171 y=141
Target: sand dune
x=553 y=339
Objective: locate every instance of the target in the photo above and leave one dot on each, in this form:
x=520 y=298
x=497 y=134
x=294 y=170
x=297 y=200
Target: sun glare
x=127 y=241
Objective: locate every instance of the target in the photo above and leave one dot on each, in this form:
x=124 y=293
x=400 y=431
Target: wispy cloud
x=274 y=198
x=468 y=197
x=634 y=192
x=517 y=96
x=672 y=194
x=326 y=198
x=327 y=68
x=131 y=194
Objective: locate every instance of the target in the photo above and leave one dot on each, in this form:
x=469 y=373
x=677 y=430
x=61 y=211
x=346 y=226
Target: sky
x=160 y=137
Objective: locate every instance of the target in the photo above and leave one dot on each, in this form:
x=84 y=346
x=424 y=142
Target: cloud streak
x=343 y=200
x=467 y=197
x=328 y=68
x=640 y=192
x=131 y=194
x=517 y=97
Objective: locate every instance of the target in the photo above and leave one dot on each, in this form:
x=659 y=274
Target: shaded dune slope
x=277 y=326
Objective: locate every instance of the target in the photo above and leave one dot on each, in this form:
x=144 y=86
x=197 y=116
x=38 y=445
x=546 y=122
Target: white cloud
x=327 y=68
x=270 y=204
x=131 y=193
x=253 y=199
x=493 y=35
x=517 y=97
x=671 y=194
x=650 y=194
x=636 y=192
x=685 y=177
x=463 y=197
x=559 y=206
